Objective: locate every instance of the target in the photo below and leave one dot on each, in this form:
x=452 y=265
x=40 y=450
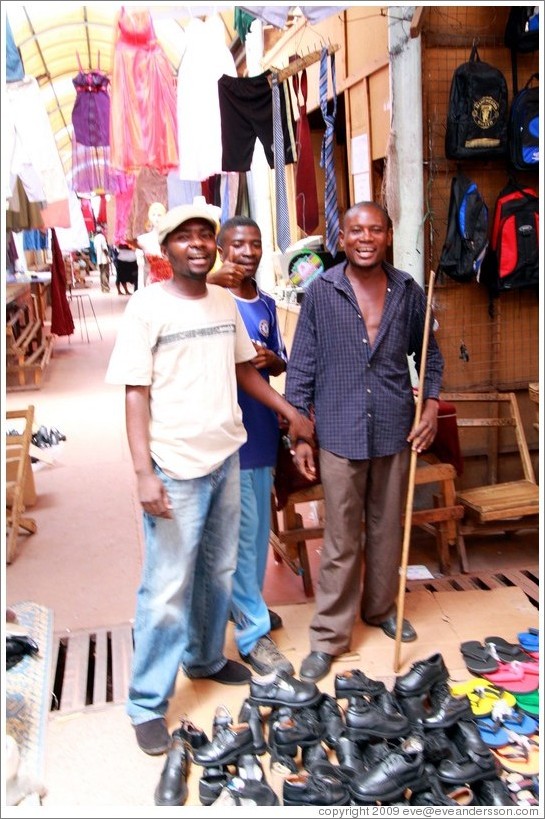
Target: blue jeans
x=250 y=611
x=184 y=598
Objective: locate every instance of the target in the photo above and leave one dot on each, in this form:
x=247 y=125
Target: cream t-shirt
x=186 y=350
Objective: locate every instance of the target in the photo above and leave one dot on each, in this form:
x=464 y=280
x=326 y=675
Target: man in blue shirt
x=240 y=248
x=358 y=323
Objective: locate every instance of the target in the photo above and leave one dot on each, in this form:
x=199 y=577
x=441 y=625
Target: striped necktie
x=327 y=160
x=283 y=235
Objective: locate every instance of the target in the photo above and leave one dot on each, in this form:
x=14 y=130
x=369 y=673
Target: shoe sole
x=293 y=803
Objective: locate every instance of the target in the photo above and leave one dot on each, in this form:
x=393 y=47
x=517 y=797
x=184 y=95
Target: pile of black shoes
x=45 y=438
x=172 y=789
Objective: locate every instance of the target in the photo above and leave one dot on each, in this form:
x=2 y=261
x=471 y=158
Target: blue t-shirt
x=261 y=423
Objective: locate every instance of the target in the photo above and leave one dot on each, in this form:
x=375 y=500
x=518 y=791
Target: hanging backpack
x=513 y=259
x=521 y=35
x=524 y=128
x=467 y=231
x=477 y=111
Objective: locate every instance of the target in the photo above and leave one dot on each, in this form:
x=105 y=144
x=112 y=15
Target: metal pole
x=412 y=471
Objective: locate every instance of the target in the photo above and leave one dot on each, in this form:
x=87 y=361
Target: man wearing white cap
x=181 y=350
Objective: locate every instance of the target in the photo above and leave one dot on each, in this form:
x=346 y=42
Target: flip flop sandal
x=513 y=679
x=482 y=695
x=521 y=755
x=529 y=640
x=519 y=723
x=529 y=702
x=477 y=657
x=506 y=652
x=492 y=734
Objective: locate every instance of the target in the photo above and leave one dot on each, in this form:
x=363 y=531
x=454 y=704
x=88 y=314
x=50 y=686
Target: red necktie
x=305 y=175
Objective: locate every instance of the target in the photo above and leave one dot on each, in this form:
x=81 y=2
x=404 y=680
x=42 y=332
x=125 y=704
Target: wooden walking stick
x=412 y=471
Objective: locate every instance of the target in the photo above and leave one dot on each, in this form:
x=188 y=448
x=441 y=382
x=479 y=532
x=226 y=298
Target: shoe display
x=388 y=780
x=230 y=741
x=355 y=681
x=276 y=620
x=232 y=673
x=365 y=719
x=152 y=736
x=315 y=666
x=280 y=688
x=421 y=677
x=265 y=657
x=172 y=786
x=307 y=788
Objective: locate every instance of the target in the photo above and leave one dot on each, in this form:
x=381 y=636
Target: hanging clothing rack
x=299 y=63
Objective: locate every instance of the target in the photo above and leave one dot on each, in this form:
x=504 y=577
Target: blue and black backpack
x=467 y=232
x=524 y=128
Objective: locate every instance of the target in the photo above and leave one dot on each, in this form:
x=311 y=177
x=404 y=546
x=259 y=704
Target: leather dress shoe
x=348 y=683
x=421 y=677
x=312 y=755
x=252 y=715
x=172 y=787
x=211 y=784
x=306 y=788
x=493 y=792
x=230 y=741
x=448 y=711
x=388 y=779
x=332 y=719
x=389 y=627
x=350 y=758
x=466 y=771
x=431 y=792
x=365 y=719
x=279 y=688
x=192 y=736
x=300 y=728
x=315 y=666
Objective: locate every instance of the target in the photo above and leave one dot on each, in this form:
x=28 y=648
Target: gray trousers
x=374 y=490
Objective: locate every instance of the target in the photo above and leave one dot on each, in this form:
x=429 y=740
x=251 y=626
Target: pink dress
x=143 y=118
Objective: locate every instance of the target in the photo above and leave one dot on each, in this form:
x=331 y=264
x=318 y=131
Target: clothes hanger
x=297 y=64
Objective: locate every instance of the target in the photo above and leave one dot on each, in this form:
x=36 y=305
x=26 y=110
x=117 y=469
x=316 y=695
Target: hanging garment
x=88 y=215
x=306 y=194
x=62 y=322
x=14 y=64
x=205 y=59
x=246 y=113
x=327 y=161
x=91 y=112
x=143 y=120
x=283 y=235
x=35 y=153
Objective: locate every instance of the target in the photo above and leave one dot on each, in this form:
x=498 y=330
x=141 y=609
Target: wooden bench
x=28 y=348
x=19 y=482
x=496 y=506
x=289 y=542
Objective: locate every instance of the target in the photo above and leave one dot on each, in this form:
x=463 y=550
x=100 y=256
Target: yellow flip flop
x=482 y=695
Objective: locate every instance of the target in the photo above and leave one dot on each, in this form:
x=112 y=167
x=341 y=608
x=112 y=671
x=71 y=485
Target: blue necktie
x=283 y=235
x=327 y=160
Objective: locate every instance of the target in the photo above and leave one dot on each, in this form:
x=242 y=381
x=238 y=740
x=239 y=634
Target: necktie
x=305 y=175
x=327 y=160
x=283 y=236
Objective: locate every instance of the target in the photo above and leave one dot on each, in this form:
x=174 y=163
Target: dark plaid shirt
x=362 y=395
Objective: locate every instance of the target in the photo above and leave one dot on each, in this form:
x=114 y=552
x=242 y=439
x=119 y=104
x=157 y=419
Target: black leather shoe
x=192 y=736
x=252 y=715
x=431 y=792
x=389 y=627
x=229 y=742
x=300 y=728
x=388 y=779
x=448 y=711
x=350 y=758
x=315 y=666
x=469 y=770
x=365 y=719
x=493 y=792
x=276 y=620
x=421 y=677
x=348 y=683
x=310 y=789
x=211 y=784
x=172 y=787
x=279 y=688
x=152 y=736
x=331 y=717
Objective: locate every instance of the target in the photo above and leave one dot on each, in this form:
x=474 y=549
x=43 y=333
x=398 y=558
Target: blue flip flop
x=517 y=722
x=492 y=733
x=529 y=640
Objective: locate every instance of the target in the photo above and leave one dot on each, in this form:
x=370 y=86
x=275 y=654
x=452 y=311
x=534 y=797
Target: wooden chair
x=19 y=483
x=496 y=506
x=289 y=542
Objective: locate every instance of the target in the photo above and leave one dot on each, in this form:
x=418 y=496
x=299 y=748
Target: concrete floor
x=84 y=563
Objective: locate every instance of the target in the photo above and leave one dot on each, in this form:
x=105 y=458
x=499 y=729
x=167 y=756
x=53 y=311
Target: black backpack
x=477 y=112
x=522 y=29
x=467 y=232
x=524 y=128
x=512 y=261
